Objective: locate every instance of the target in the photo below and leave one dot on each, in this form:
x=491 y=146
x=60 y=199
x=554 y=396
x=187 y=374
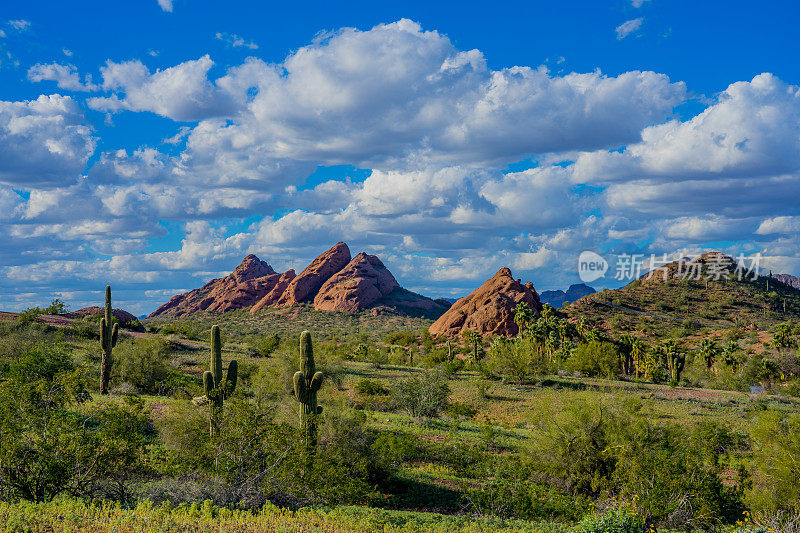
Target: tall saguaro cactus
x=677 y=361
x=109 y=332
x=307 y=381
x=217 y=387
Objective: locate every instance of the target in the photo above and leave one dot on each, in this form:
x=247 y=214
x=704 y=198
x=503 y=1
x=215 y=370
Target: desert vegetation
x=569 y=425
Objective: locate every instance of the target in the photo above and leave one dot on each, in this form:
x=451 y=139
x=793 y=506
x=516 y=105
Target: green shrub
x=403 y=338
x=526 y=500
x=422 y=396
x=621 y=518
x=461 y=410
x=777 y=454
x=264 y=345
x=42 y=361
x=597 y=450
x=519 y=359
x=595 y=358
x=368 y=387
x=143 y=363
x=49 y=444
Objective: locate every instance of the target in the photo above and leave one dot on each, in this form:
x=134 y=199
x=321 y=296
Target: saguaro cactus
x=677 y=361
x=109 y=332
x=307 y=382
x=217 y=388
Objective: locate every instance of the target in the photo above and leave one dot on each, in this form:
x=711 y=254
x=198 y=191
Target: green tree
x=523 y=316
x=474 y=339
x=708 y=350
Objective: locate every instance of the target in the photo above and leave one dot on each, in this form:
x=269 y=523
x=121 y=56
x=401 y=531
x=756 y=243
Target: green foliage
x=594 y=450
x=777 y=456
x=523 y=316
x=368 y=387
x=522 y=499
x=783 y=335
x=621 y=518
x=708 y=350
x=473 y=339
x=520 y=359
x=143 y=363
x=47 y=447
x=42 y=361
x=188 y=329
x=106 y=517
x=423 y=396
x=403 y=338
x=595 y=358
x=56 y=307
x=263 y=345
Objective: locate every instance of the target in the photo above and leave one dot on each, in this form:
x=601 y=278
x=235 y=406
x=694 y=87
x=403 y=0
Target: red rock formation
x=332 y=282
x=305 y=286
x=489 y=309
x=243 y=287
x=124 y=317
x=358 y=285
x=272 y=296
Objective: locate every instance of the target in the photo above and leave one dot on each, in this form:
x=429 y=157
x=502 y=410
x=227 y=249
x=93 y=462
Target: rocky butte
x=332 y=282
x=489 y=309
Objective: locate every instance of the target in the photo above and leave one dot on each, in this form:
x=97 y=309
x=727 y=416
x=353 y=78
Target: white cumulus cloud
x=628 y=27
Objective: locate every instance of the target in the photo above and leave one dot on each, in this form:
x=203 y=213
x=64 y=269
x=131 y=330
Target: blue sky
x=153 y=145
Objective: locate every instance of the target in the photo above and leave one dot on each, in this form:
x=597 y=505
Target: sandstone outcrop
x=306 y=284
x=243 y=287
x=489 y=309
x=332 y=282
x=272 y=297
x=361 y=283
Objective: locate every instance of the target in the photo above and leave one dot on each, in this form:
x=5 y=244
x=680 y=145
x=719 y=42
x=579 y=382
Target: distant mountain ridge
x=559 y=298
x=332 y=282
x=788 y=279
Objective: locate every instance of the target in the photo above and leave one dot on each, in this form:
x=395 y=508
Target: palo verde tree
x=217 y=388
x=109 y=332
x=307 y=382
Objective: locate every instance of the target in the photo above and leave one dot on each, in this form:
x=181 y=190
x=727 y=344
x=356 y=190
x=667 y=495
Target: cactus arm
x=316 y=382
x=231 y=377
x=208 y=383
x=114 y=335
x=299 y=386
